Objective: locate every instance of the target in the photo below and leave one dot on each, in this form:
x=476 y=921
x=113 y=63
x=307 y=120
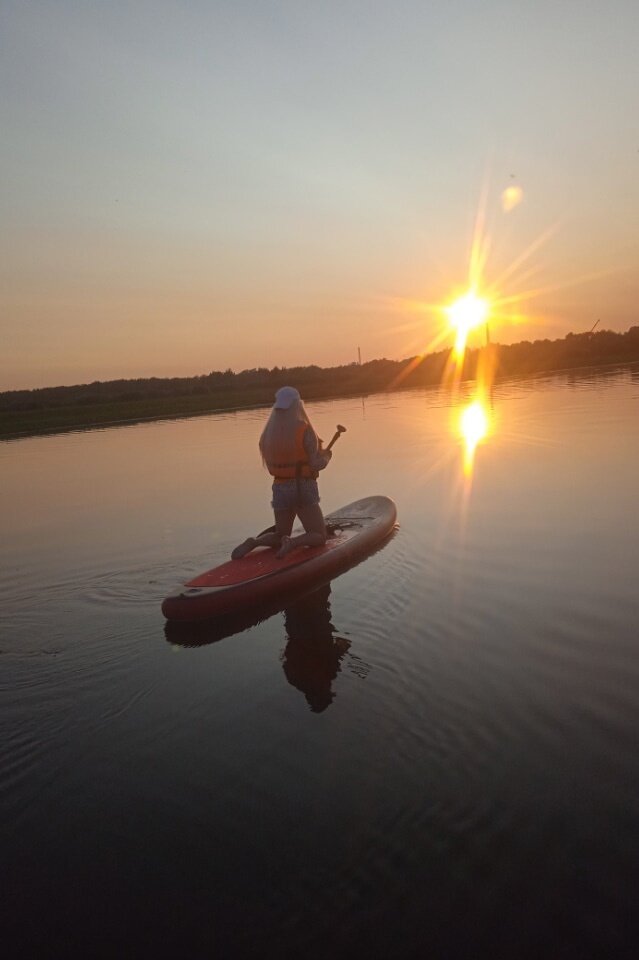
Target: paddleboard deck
x=354 y=530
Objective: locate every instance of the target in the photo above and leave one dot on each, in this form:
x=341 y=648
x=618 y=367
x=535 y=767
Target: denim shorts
x=285 y=494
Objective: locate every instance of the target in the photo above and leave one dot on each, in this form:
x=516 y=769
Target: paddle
x=340 y=430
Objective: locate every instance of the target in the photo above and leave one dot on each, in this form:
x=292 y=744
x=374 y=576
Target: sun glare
x=465 y=314
x=483 y=299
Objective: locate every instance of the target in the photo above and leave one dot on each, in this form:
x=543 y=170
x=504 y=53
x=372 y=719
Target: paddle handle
x=340 y=430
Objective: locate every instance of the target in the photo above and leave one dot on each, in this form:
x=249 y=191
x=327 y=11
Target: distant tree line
x=257 y=386
x=575 y=350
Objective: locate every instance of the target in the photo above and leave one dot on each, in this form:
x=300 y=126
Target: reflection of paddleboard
x=355 y=530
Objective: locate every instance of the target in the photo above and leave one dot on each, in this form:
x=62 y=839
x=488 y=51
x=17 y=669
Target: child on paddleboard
x=292 y=453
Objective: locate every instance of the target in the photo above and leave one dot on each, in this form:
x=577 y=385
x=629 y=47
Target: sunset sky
x=201 y=185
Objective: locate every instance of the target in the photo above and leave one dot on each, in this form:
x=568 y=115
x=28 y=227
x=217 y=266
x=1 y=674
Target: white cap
x=286 y=397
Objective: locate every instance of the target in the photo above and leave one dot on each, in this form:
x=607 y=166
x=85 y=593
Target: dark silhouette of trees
x=106 y=401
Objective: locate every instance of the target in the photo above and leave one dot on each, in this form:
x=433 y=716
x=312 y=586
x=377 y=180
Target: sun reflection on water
x=474 y=427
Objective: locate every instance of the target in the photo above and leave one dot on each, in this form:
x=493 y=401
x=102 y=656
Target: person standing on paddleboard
x=292 y=453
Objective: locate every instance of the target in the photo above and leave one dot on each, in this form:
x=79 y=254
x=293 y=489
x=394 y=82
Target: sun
x=464 y=314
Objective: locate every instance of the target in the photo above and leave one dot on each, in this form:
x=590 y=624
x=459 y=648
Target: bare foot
x=285 y=547
x=243 y=549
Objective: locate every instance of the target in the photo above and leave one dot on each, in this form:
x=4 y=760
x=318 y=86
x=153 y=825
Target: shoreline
x=51 y=428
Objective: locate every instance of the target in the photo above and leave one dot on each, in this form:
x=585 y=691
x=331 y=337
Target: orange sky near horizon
x=191 y=188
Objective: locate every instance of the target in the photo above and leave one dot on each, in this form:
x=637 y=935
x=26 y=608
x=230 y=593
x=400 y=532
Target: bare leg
x=283 y=525
x=315 y=536
x=284 y=520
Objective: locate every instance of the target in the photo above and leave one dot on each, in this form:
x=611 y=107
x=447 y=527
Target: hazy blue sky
x=201 y=185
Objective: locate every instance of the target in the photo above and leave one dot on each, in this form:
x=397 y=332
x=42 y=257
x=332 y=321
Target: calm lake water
x=434 y=756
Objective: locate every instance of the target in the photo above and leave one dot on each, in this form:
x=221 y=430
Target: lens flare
x=473 y=427
x=511 y=198
x=465 y=314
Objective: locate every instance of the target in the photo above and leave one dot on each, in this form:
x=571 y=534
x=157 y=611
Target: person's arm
x=317 y=458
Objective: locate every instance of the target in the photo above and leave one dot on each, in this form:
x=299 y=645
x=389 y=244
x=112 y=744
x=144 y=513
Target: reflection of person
x=311 y=660
x=293 y=455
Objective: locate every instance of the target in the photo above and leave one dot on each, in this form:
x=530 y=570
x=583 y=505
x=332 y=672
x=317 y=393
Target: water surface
x=435 y=754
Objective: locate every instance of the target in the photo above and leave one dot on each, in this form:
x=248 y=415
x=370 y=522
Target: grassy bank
x=24 y=423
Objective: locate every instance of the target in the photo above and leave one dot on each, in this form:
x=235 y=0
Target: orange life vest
x=292 y=462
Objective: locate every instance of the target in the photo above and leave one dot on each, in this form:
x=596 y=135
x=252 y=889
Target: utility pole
x=359 y=357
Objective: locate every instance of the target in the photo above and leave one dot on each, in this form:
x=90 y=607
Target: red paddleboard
x=355 y=530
